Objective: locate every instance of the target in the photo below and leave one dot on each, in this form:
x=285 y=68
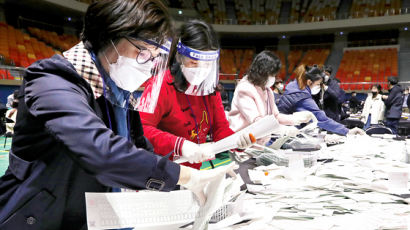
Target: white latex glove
x=208 y=150
x=199 y=179
x=303 y=117
x=290 y=131
x=244 y=141
x=192 y=152
x=356 y=131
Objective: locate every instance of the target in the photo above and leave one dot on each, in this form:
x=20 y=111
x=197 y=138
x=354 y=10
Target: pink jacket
x=251 y=103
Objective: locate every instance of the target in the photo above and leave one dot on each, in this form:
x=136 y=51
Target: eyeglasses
x=144 y=55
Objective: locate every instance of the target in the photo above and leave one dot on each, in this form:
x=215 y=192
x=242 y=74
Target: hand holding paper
x=199 y=179
x=245 y=140
x=290 y=131
x=261 y=128
x=303 y=117
x=356 y=131
x=192 y=152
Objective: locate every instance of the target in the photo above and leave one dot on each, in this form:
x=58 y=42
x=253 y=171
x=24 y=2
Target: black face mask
x=374 y=94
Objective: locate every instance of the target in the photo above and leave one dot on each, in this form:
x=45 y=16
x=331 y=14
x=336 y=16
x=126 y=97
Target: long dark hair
x=111 y=20
x=195 y=34
x=264 y=65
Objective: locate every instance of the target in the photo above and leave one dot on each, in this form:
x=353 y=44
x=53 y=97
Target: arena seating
x=227 y=63
x=321 y=10
x=235 y=61
x=272 y=10
x=20 y=47
x=294 y=57
x=316 y=56
x=242 y=8
x=268 y=11
x=219 y=11
x=367 y=65
x=61 y=42
x=372 y=8
x=310 y=57
x=282 y=71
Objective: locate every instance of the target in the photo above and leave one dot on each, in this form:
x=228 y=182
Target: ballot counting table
x=403 y=127
x=359 y=184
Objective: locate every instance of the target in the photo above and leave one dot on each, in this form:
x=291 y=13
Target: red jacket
x=173 y=122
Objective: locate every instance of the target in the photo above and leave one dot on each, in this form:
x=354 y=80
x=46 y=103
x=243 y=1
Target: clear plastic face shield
x=127 y=74
x=159 y=67
x=200 y=69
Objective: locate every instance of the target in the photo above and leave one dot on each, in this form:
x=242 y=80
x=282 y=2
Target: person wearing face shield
x=253 y=99
x=189 y=111
x=278 y=89
x=373 y=109
x=298 y=97
x=77 y=129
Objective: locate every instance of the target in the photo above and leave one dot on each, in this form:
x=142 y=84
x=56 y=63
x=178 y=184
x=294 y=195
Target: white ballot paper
x=164 y=210
x=261 y=128
x=158 y=210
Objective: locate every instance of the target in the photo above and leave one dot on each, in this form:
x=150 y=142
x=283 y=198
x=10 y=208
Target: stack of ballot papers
x=364 y=187
x=171 y=210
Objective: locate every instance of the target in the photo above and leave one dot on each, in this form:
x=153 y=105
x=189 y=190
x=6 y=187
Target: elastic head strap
x=198 y=55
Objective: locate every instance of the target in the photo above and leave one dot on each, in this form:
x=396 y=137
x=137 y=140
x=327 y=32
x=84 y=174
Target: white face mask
x=195 y=75
x=280 y=87
x=128 y=74
x=270 y=82
x=326 y=78
x=315 y=89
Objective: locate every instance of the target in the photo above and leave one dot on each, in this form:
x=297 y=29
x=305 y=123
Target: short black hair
x=16 y=93
x=278 y=80
x=378 y=87
x=328 y=68
x=111 y=20
x=393 y=80
x=314 y=73
x=265 y=64
x=195 y=34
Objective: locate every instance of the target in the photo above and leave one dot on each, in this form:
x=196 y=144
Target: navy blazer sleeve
x=335 y=92
x=394 y=96
x=323 y=121
x=112 y=159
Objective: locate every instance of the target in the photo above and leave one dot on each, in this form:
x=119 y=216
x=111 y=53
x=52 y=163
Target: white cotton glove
x=303 y=117
x=356 y=131
x=244 y=141
x=199 y=179
x=290 y=131
x=192 y=152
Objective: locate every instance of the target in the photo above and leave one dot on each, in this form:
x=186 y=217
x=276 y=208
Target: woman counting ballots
x=72 y=134
x=189 y=107
x=254 y=99
x=298 y=97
